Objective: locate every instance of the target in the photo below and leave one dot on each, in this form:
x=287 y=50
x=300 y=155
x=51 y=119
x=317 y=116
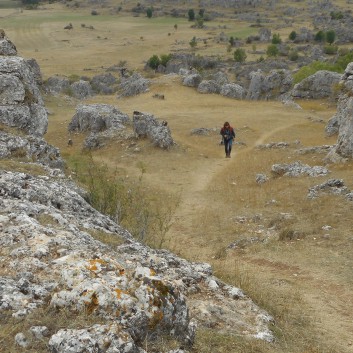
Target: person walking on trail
x=228 y=136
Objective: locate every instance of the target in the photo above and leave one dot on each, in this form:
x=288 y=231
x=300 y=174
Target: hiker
x=228 y=136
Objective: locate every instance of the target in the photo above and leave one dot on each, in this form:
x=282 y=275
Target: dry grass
x=296 y=269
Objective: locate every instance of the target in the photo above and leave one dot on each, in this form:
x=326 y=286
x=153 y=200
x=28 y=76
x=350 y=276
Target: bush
x=149 y=12
x=319 y=36
x=330 y=36
x=153 y=62
x=293 y=35
x=239 y=55
x=293 y=55
x=330 y=49
x=165 y=58
x=191 y=15
x=309 y=70
x=276 y=39
x=272 y=50
x=193 y=42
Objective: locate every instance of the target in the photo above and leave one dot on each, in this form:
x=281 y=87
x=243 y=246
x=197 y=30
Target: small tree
x=272 y=50
x=330 y=36
x=292 y=35
x=276 y=39
x=199 y=21
x=149 y=12
x=175 y=26
x=165 y=58
x=154 y=62
x=193 y=42
x=191 y=15
x=231 y=41
x=239 y=55
x=201 y=12
x=319 y=36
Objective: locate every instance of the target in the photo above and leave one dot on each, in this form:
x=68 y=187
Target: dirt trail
x=334 y=320
x=193 y=197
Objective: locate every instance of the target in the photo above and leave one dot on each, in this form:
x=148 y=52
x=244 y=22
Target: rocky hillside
x=54 y=253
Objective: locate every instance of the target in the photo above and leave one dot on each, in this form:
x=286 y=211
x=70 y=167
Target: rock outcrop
x=21 y=104
x=319 y=85
x=51 y=255
x=342 y=121
x=268 y=86
x=146 y=125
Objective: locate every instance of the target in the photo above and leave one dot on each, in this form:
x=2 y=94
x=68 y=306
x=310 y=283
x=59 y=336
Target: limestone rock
x=297 y=168
x=233 y=90
x=146 y=125
x=271 y=85
x=316 y=86
x=97 y=117
x=22 y=105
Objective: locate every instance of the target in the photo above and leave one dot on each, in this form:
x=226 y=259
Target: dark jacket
x=228 y=133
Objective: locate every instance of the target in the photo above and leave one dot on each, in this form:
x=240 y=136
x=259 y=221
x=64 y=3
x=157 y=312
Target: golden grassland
x=286 y=259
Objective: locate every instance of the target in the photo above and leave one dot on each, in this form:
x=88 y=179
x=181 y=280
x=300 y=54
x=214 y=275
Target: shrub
x=193 y=42
x=199 y=21
x=336 y=15
x=293 y=55
x=272 y=50
x=149 y=12
x=165 y=58
x=310 y=69
x=293 y=35
x=191 y=15
x=330 y=49
x=330 y=36
x=239 y=55
x=153 y=62
x=276 y=39
x=319 y=36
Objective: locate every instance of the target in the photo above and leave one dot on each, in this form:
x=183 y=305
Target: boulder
x=297 y=169
x=21 y=102
x=57 y=84
x=7 y=48
x=97 y=117
x=317 y=86
x=146 y=125
x=133 y=85
x=209 y=86
x=192 y=80
x=30 y=148
x=104 y=83
x=269 y=86
x=81 y=89
x=233 y=90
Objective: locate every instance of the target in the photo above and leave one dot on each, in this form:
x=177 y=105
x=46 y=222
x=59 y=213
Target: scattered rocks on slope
x=331 y=186
x=297 y=168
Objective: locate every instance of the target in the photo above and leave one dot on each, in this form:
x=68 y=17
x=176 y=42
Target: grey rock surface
x=297 y=168
x=316 y=86
x=21 y=103
x=146 y=125
x=136 y=290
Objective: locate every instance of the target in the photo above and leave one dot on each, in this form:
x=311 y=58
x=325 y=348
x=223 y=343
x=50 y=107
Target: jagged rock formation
x=21 y=104
x=146 y=125
x=31 y=149
x=271 y=85
x=50 y=252
x=331 y=186
x=343 y=119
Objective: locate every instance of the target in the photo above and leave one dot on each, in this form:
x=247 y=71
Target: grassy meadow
x=292 y=255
